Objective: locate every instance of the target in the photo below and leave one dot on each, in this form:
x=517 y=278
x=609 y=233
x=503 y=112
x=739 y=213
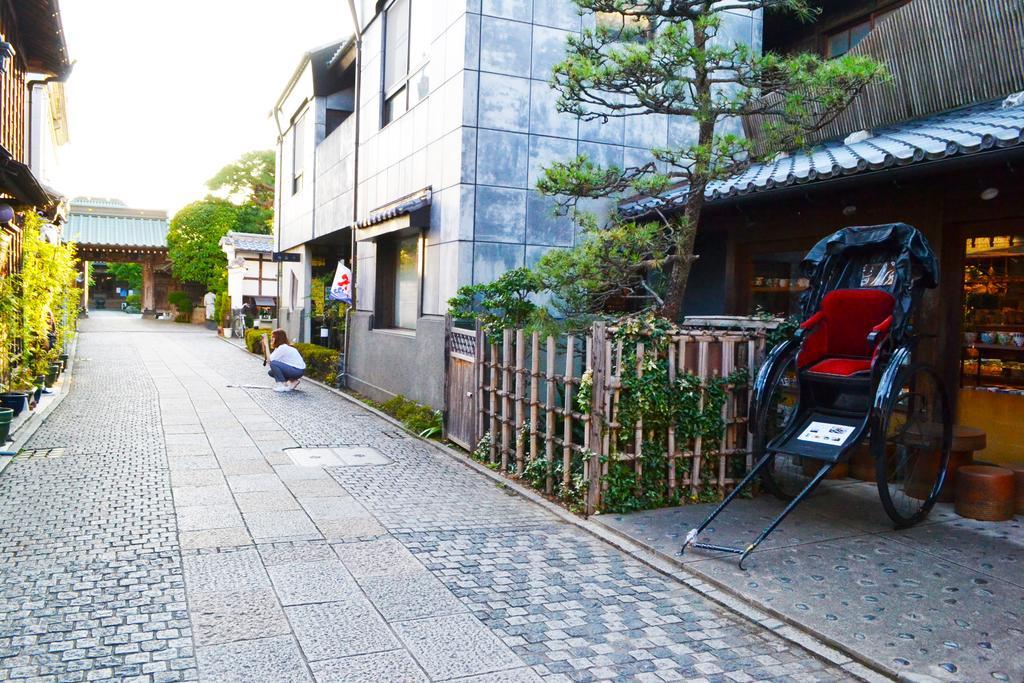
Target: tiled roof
x=248 y=241
x=117 y=231
x=419 y=201
x=961 y=132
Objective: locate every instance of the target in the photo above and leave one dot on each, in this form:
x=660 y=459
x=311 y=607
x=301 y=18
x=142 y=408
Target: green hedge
x=321 y=363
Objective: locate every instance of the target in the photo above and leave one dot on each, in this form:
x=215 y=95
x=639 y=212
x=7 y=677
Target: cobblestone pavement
x=160 y=527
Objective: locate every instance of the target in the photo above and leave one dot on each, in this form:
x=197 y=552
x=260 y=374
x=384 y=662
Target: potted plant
x=6 y=416
x=51 y=374
x=16 y=401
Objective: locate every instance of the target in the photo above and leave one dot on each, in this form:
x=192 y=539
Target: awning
x=17 y=181
x=405 y=214
x=265 y=300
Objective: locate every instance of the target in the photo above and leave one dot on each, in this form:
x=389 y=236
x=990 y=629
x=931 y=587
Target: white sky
x=166 y=92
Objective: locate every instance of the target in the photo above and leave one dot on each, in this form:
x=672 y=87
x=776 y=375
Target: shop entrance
x=992 y=344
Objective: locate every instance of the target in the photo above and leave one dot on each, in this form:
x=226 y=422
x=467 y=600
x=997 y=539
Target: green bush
x=252 y=340
x=418 y=418
x=133 y=300
x=183 y=303
x=321 y=362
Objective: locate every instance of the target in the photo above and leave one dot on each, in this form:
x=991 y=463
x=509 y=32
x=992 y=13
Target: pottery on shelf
x=970 y=337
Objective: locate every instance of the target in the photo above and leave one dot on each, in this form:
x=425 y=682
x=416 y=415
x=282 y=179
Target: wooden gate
x=462 y=348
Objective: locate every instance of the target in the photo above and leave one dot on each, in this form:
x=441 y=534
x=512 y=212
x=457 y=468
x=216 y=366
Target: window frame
x=403 y=85
x=298 y=144
x=386 y=296
x=871 y=19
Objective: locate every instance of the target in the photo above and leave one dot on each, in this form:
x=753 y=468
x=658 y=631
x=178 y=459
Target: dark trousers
x=282 y=372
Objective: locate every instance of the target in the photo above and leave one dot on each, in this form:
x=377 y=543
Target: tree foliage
x=668 y=57
x=249 y=180
x=127 y=272
x=193 y=241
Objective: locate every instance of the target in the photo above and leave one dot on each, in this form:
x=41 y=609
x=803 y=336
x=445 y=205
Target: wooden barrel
x=966 y=440
x=811 y=467
x=1018 y=475
x=862 y=463
x=985 y=493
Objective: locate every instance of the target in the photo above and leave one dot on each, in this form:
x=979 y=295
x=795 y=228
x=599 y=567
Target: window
x=616 y=23
x=845 y=39
x=407 y=32
x=398 y=280
x=294 y=286
x=298 y=151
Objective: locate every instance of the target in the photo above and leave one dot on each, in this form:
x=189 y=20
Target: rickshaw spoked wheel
x=911 y=444
x=785 y=476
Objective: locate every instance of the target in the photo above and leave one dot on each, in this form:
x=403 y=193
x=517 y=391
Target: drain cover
x=340 y=456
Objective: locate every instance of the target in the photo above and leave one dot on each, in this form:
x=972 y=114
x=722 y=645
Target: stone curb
x=817 y=644
x=27 y=428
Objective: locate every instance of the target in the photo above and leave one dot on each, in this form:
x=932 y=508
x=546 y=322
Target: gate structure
x=462 y=349
x=522 y=392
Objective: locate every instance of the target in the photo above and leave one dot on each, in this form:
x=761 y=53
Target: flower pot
x=38 y=393
x=6 y=415
x=16 y=401
x=51 y=376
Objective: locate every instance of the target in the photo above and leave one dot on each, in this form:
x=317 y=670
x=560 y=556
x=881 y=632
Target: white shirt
x=289 y=356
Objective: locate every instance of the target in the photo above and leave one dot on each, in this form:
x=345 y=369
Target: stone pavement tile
x=290 y=552
x=205 y=477
x=280 y=525
x=520 y=675
x=381 y=557
x=266 y=659
x=457 y=645
x=295 y=472
x=226 y=616
x=351 y=529
x=300 y=583
x=246 y=483
x=333 y=508
x=192 y=462
x=248 y=466
x=393 y=665
x=225 y=571
x=186 y=439
x=266 y=501
x=186 y=496
x=215 y=538
x=313 y=488
x=200 y=517
x=183 y=429
x=188 y=450
x=237 y=452
x=338 y=629
x=410 y=596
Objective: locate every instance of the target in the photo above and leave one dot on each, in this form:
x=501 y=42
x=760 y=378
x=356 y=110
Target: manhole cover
x=337 y=457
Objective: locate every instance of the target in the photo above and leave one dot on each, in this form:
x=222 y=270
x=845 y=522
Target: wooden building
x=941 y=147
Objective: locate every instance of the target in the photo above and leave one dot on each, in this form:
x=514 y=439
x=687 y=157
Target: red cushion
x=847 y=316
x=843 y=367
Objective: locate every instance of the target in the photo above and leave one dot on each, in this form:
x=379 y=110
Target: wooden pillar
x=85 y=289
x=148 y=289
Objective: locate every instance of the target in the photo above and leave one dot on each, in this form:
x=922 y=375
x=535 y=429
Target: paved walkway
x=941 y=601
x=161 y=527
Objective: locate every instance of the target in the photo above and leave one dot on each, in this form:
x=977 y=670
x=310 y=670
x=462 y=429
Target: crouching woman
x=286 y=364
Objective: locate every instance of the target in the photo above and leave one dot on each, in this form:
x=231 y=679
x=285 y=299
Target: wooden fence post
x=506 y=396
x=534 y=392
x=520 y=400
x=598 y=377
x=479 y=354
x=549 y=417
x=570 y=348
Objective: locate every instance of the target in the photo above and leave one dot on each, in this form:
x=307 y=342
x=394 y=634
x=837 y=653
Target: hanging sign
x=341 y=287
x=279 y=256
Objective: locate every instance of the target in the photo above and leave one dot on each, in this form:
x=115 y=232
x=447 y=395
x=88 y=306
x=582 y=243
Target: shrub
x=183 y=303
x=418 y=418
x=133 y=300
x=321 y=362
x=252 y=340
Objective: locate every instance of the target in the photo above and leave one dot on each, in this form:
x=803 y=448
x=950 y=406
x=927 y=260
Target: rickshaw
x=848 y=379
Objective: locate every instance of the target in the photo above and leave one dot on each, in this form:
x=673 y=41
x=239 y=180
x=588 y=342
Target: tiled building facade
x=469 y=114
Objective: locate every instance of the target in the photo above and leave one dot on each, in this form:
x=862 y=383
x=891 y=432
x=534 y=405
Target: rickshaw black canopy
x=893 y=257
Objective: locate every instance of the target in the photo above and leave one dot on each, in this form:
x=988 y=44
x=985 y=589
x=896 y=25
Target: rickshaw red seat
x=841 y=367
x=838 y=341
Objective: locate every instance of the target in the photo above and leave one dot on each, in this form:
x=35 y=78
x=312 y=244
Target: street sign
x=279 y=256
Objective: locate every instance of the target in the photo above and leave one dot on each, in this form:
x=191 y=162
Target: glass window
x=407 y=282
x=396 y=44
x=845 y=39
x=395 y=106
x=298 y=151
x=421 y=31
x=616 y=23
x=858 y=32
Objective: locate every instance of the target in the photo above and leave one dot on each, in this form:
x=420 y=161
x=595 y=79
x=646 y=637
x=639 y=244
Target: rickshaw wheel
x=785 y=476
x=911 y=443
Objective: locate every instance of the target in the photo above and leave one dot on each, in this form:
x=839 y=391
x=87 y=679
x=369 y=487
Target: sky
x=166 y=92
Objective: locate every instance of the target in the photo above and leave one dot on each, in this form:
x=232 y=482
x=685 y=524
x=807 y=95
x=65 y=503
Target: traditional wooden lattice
x=526 y=401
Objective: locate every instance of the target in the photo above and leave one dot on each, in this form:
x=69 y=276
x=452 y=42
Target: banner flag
x=341 y=289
